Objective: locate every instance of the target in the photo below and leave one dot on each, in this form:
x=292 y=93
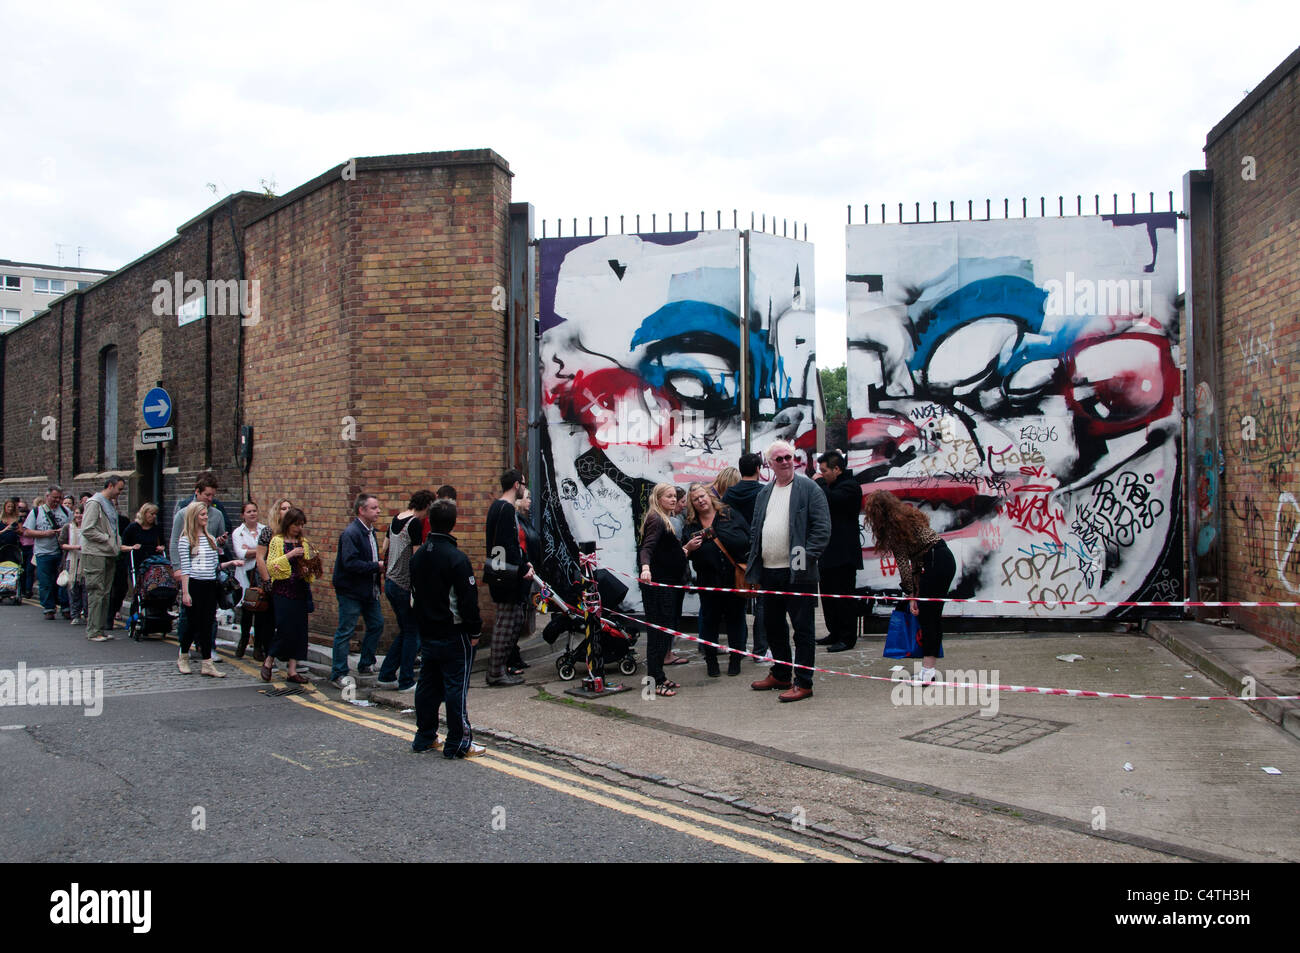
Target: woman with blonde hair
x=662 y=560
x=717 y=543
x=925 y=566
x=200 y=558
x=724 y=481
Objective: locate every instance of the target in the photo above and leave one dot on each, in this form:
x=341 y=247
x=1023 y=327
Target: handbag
x=63 y=579
x=256 y=599
x=227 y=586
x=738 y=569
x=903 y=639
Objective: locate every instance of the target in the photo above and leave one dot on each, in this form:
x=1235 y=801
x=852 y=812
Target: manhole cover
x=976 y=732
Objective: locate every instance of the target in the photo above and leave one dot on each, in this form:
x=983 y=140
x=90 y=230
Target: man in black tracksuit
x=843 y=557
x=446 y=610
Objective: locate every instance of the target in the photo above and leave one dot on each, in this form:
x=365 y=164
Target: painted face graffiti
x=642 y=383
x=1051 y=429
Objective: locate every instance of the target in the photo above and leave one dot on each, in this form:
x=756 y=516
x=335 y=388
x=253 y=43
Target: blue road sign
x=157 y=408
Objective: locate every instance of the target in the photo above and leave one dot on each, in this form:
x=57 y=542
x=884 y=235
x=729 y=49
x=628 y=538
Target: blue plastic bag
x=903 y=640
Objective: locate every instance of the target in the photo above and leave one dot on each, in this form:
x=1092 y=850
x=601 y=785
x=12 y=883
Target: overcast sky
x=117 y=116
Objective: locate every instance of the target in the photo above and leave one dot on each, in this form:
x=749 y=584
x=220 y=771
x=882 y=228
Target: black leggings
x=662 y=607
x=202 y=612
x=937 y=571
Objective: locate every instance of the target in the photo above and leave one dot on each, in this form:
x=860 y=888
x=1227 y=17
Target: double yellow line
x=675 y=817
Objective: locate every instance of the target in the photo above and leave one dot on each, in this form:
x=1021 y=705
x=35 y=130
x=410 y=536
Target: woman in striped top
x=199 y=561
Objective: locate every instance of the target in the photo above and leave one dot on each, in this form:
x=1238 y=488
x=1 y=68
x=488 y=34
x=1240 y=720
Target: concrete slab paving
x=1196 y=777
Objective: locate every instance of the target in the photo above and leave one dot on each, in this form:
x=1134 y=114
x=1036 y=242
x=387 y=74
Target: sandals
x=268 y=669
x=300 y=679
x=666 y=689
x=675 y=659
x=669 y=683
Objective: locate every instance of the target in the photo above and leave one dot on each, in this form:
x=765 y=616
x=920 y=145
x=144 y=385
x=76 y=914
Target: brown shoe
x=798 y=693
x=768 y=683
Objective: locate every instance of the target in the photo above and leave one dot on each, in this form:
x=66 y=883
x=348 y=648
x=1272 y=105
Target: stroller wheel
x=565 y=669
x=627 y=664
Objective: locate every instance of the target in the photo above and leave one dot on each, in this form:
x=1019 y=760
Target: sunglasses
x=782 y=459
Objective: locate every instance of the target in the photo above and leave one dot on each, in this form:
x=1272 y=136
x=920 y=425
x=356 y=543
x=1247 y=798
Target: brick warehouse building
x=1244 y=347
x=371 y=356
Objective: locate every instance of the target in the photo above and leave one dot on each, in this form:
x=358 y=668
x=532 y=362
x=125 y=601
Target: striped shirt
x=203 y=564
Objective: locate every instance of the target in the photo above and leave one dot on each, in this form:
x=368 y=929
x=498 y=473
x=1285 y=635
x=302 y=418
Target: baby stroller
x=11 y=572
x=611 y=643
x=155 y=595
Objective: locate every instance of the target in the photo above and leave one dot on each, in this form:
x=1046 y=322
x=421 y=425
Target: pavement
x=1182 y=778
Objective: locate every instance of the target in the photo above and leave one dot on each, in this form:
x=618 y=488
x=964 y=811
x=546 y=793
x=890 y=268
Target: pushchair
x=155 y=595
x=11 y=573
x=600 y=641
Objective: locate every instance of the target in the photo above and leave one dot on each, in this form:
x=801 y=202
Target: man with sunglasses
x=791 y=529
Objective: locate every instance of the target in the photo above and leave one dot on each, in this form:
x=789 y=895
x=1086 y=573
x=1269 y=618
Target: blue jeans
x=444 y=678
x=349 y=611
x=47 y=574
x=407 y=642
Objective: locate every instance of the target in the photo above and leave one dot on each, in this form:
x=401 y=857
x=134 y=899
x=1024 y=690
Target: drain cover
x=975 y=732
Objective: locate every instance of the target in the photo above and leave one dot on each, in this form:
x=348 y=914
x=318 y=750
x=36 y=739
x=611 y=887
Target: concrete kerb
x=1228 y=657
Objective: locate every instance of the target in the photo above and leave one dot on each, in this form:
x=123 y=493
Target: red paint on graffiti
x=617 y=406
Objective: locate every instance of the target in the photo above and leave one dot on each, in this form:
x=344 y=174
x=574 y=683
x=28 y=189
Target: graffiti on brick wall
x=641 y=376
x=1269 y=539
x=1016 y=381
x=1267 y=436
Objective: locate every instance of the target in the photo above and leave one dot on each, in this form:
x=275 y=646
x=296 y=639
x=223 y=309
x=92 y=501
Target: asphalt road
x=187 y=768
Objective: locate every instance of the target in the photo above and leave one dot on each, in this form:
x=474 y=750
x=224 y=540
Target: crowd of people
x=789 y=537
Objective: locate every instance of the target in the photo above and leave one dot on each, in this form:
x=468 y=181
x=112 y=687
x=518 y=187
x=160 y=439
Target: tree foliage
x=835 y=397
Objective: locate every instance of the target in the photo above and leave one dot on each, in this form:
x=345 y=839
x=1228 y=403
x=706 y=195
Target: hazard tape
x=990 y=602
x=968 y=686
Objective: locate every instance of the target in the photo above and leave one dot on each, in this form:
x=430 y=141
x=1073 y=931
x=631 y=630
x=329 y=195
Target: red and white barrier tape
x=968 y=686
x=992 y=602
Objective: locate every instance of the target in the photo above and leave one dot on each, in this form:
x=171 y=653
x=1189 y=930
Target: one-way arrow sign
x=157 y=408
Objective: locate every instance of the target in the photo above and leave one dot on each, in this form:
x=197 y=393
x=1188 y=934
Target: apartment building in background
x=27 y=289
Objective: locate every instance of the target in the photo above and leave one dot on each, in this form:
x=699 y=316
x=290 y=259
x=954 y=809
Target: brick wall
x=1257 y=261
x=378 y=364
x=53 y=368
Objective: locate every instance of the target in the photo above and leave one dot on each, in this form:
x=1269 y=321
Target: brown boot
x=210 y=670
x=183 y=663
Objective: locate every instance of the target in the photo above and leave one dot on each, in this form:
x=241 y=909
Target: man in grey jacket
x=792 y=525
x=101 y=545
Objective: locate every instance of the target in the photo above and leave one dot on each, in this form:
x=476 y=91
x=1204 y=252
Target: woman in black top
x=662 y=560
x=710 y=526
x=144 y=529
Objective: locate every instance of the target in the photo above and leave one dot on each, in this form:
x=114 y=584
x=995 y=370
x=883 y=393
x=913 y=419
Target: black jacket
x=844 y=497
x=661 y=550
x=731 y=529
x=443 y=589
x=742 y=496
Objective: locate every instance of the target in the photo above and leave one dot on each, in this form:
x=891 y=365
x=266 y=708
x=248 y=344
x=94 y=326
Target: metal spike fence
x=650 y=224
x=1006 y=209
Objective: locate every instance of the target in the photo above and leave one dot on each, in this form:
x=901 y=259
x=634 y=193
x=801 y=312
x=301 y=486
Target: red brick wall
x=38 y=382
x=376 y=306
x=1257 y=252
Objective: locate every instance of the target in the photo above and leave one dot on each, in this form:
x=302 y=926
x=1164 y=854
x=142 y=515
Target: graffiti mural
x=1016 y=380
x=641 y=373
